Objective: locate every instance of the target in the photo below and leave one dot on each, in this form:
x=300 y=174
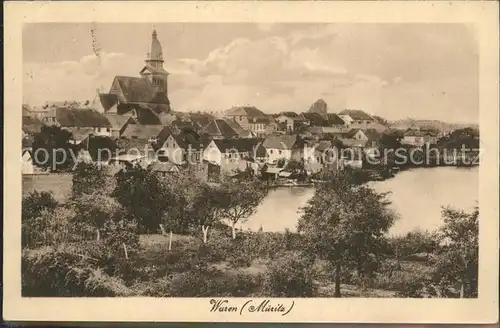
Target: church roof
x=140 y=90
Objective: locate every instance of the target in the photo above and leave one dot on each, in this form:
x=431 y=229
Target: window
x=279 y=152
x=270 y=151
x=108 y=130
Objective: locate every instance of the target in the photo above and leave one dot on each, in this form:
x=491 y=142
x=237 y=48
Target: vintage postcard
x=251 y=162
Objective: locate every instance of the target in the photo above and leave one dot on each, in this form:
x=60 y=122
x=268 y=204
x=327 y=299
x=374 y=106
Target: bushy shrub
x=51 y=227
x=290 y=275
x=63 y=271
x=212 y=283
x=414 y=242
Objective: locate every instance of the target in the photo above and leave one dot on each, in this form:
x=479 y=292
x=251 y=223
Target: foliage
x=88 y=178
x=414 y=242
x=289 y=276
x=34 y=208
x=239 y=201
x=466 y=137
x=35 y=203
x=61 y=271
x=457 y=263
x=345 y=224
x=54 y=143
x=51 y=227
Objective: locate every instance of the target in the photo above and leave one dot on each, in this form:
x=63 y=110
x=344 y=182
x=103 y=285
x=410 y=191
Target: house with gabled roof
x=315 y=119
x=118 y=123
x=81 y=122
x=231 y=154
x=282 y=147
x=419 y=138
x=219 y=129
x=290 y=120
x=181 y=149
x=242 y=133
x=259 y=125
x=353 y=116
x=164 y=168
x=141 y=131
x=243 y=114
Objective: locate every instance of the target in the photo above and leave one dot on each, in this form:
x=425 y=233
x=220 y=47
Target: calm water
x=417 y=196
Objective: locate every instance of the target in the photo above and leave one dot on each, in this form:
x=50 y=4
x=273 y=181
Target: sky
x=423 y=71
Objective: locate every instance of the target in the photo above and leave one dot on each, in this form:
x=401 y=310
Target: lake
x=417 y=196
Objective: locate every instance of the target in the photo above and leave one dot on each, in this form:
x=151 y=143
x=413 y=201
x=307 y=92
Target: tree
x=204 y=208
x=142 y=193
x=35 y=203
x=239 y=201
x=52 y=149
x=344 y=223
x=87 y=178
x=290 y=276
x=457 y=263
x=93 y=211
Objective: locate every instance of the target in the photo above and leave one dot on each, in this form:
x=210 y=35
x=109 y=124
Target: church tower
x=154 y=70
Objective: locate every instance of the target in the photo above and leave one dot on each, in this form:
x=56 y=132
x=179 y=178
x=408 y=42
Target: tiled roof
x=334 y=119
x=201 y=119
x=193 y=140
x=356 y=114
x=164 y=167
x=31 y=125
x=280 y=142
x=241 y=145
x=141 y=131
x=315 y=119
x=140 y=90
x=76 y=117
x=245 y=111
x=289 y=114
x=128 y=144
x=80 y=134
x=117 y=121
x=219 y=128
x=107 y=100
x=354 y=143
x=351 y=133
x=96 y=145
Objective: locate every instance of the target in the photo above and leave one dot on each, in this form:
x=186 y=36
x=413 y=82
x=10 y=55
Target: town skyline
x=305 y=62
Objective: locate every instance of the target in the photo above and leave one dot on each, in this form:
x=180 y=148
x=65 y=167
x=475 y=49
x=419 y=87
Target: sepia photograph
x=251 y=164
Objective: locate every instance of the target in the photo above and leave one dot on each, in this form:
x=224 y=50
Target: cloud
x=392 y=70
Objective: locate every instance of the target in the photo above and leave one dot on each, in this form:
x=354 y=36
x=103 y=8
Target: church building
x=143 y=98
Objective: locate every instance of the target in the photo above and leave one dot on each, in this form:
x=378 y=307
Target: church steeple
x=155 y=56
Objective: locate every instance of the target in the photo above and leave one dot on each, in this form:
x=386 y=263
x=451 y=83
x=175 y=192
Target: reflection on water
x=417 y=196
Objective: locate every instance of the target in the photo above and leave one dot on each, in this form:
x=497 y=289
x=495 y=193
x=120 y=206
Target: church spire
x=155 y=57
